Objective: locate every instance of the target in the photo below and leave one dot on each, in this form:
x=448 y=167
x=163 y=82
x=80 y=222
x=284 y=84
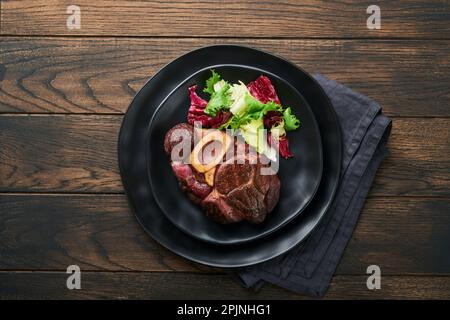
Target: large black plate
x=133 y=167
x=300 y=176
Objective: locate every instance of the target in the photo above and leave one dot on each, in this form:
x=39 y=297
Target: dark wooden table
x=63 y=94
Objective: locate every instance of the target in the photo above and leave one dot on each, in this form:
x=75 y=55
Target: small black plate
x=299 y=176
x=133 y=166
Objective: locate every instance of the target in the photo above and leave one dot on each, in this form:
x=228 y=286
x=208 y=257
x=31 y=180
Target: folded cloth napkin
x=308 y=268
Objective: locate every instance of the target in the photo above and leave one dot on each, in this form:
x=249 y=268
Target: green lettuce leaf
x=290 y=120
x=238 y=93
x=254 y=110
x=258 y=109
x=220 y=100
x=209 y=87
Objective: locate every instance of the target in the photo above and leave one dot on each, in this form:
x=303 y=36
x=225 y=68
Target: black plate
x=300 y=176
x=132 y=158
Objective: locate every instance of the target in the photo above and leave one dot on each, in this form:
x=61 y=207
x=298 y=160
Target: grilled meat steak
x=240 y=191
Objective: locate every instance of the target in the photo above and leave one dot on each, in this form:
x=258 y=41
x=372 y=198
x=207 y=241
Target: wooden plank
x=251 y=18
x=418 y=164
x=78 y=153
x=99 y=232
x=59 y=153
x=402 y=236
x=91 y=75
x=100 y=285
x=94 y=232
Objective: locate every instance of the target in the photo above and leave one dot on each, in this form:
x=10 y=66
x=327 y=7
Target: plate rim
x=271 y=230
x=334 y=187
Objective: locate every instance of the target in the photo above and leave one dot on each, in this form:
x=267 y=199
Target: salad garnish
x=247 y=109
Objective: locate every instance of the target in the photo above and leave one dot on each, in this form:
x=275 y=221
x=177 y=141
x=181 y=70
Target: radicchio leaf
x=282 y=145
x=263 y=90
x=272 y=118
x=219 y=119
x=197 y=113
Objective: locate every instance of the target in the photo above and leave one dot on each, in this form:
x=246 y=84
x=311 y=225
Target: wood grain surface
x=66 y=75
x=63 y=94
x=250 y=18
x=122 y=285
x=78 y=153
x=99 y=232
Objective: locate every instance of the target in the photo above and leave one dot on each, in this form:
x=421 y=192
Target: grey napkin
x=308 y=268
